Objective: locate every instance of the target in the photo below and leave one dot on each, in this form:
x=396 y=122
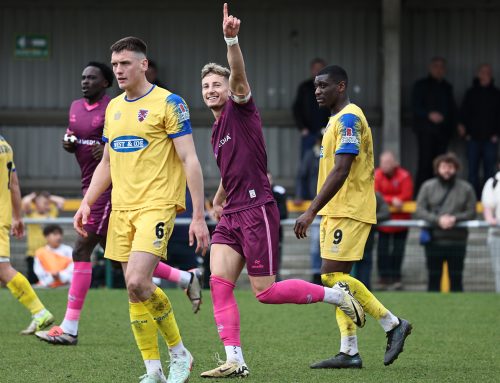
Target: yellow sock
x=24 y=293
x=145 y=331
x=370 y=304
x=161 y=310
x=346 y=325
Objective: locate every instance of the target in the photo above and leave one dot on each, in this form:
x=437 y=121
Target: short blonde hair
x=213 y=68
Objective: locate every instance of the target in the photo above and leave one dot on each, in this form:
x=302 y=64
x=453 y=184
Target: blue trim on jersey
x=180 y=134
x=348 y=149
x=181 y=112
x=138 y=98
x=349 y=120
x=104 y=139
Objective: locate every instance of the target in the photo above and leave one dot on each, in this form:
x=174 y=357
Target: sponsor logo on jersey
x=81 y=141
x=125 y=144
x=252 y=193
x=118 y=115
x=183 y=112
x=72 y=118
x=224 y=140
x=142 y=114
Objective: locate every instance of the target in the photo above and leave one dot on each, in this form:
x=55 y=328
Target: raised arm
x=238 y=83
x=184 y=146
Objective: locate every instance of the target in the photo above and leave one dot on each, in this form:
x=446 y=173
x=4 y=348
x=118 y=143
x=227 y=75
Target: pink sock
x=292 y=291
x=80 y=284
x=167 y=272
x=227 y=316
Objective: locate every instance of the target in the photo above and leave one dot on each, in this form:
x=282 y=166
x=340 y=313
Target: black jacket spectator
x=435 y=117
x=480 y=112
x=308 y=115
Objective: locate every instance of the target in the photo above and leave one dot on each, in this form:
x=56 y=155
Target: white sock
x=333 y=296
x=388 y=321
x=234 y=353
x=177 y=350
x=40 y=314
x=185 y=279
x=153 y=366
x=70 y=326
x=349 y=345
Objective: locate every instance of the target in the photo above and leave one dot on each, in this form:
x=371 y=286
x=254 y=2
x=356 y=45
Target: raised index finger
x=225 y=11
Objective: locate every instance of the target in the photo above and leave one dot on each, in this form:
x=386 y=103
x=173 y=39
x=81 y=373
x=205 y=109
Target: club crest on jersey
x=142 y=114
x=126 y=144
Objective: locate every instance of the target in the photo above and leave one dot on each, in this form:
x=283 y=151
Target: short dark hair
x=335 y=72
x=106 y=71
x=42 y=193
x=49 y=229
x=449 y=158
x=133 y=44
x=318 y=60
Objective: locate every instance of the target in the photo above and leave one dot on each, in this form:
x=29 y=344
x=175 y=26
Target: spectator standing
x=434 y=117
x=54 y=262
x=38 y=205
x=480 y=125
x=306 y=189
x=396 y=187
x=444 y=201
x=491 y=204
x=309 y=117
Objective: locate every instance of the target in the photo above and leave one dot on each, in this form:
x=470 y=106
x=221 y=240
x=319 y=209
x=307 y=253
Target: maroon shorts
x=254 y=234
x=99 y=216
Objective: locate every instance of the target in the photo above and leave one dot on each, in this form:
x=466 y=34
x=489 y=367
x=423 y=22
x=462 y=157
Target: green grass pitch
x=456 y=338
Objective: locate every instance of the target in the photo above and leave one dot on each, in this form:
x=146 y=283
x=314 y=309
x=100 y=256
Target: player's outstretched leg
x=24 y=293
x=227 y=320
x=301 y=292
x=190 y=280
x=396 y=329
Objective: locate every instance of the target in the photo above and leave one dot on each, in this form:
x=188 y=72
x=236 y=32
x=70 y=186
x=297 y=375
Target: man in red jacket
x=396 y=186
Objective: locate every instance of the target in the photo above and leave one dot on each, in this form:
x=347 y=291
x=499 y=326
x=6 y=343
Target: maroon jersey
x=87 y=123
x=240 y=151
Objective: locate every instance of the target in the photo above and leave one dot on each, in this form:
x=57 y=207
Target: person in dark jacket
x=443 y=202
x=309 y=117
x=435 y=116
x=480 y=126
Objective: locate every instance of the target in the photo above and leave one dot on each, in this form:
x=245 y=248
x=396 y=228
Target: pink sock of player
x=80 y=284
x=292 y=291
x=227 y=316
x=169 y=273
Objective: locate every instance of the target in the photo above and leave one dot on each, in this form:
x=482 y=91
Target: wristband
x=231 y=40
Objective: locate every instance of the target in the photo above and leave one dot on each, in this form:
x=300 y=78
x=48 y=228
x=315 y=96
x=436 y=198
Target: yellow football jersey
x=34 y=232
x=145 y=168
x=7 y=166
x=348 y=132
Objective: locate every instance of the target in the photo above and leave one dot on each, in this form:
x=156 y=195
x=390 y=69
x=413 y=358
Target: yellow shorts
x=343 y=239
x=146 y=230
x=4 y=243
